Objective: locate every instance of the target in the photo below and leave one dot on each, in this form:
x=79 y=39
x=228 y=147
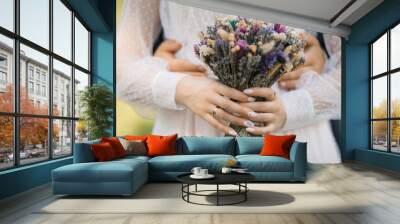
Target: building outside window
x=43 y=90
x=30 y=87
x=57 y=127
x=3 y=72
x=385 y=91
x=30 y=72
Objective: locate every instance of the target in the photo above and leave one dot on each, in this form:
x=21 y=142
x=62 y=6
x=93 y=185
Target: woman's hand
x=212 y=101
x=271 y=112
x=314 y=60
x=205 y=97
x=167 y=51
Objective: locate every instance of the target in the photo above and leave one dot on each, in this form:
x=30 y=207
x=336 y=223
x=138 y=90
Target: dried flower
x=245 y=53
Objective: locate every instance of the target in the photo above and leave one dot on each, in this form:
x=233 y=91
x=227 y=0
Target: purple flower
x=281 y=57
x=219 y=43
x=196 y=49
x=242 y=44
x=242 y=29
x=256 y=28
x=272 y=57
x=279 y=28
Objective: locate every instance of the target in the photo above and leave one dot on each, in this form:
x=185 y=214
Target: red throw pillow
x=135 y=138
x=161 y=145
x=116 y=145
x=103 y=152
x=277 y=145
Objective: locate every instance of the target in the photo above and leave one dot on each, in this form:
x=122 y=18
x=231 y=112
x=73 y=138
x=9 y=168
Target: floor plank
x=378 y=189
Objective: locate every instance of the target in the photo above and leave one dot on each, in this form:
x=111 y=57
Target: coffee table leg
x=217 y=194
x=245 y=193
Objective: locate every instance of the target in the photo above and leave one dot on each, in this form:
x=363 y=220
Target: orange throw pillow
x=135 y=138
x=103 y=152
x=161 y=145
x=116 y=145
x=277 y=145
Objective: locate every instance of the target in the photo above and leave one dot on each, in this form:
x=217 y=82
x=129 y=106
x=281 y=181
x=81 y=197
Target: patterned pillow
x=134 y=147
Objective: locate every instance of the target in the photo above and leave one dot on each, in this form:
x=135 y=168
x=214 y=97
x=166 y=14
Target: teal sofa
x=125 y=176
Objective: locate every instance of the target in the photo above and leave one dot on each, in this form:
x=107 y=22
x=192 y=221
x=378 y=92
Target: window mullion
x=73 y=82
x=389 y=101
x=50 y=81
x=16 y=70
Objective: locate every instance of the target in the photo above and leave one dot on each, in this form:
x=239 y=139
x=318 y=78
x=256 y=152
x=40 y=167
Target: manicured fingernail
x=248 y=91
x=248 y=124
x=201 y=68
x=251 y=99
x=252 y=114
x=232 y=132
x=250 y=129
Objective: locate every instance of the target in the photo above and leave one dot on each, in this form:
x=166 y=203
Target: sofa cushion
x=103 y=152
x=116 y=145
x=134 y=147
x=159 y=145
x=206 y=145
x=257 y=163
x=112 y=171
x=249 y=145
x=185 y=163
x=277 y=145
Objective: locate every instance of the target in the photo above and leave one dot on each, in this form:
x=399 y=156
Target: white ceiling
x=321 y=9
x=327 y=16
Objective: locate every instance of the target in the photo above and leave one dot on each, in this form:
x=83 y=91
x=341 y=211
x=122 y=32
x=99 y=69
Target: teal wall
x=24 y=178
x=99 y=16
x=356 y=85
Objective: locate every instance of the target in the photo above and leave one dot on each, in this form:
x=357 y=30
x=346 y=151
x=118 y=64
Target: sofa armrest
x=298 y=155
x=83 y=152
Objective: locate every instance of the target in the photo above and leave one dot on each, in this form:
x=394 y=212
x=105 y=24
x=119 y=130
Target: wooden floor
x=351 y=181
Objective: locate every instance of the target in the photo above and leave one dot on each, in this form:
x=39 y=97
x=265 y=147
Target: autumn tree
x=33 y=131
x=380 y=127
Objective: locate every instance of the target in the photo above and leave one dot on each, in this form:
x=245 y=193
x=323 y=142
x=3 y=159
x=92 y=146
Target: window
x=3 y=78
x=3 y=71
x=385 y=94
x=3 y=61
x=44 y=91
x=30 y=88
x=38 y=74
x=7 y=14
x=37 y=89
x=34 y=128
x=30 y=72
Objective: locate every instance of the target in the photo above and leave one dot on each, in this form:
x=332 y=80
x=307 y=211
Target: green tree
x=97 y=103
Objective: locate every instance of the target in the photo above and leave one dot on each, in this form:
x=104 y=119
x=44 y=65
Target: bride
x=191 y=103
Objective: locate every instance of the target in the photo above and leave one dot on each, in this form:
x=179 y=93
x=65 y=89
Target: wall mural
x=196 y=72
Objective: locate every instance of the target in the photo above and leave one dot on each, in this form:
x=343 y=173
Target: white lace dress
x=144 y=80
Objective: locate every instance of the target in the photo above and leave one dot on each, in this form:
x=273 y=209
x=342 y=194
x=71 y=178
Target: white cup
x=226 y=170
x=203 y=172
x=196 y=171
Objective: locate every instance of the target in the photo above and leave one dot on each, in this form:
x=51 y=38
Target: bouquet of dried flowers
x=245 y=53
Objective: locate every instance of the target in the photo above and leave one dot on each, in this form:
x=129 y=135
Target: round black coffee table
x=238 y=179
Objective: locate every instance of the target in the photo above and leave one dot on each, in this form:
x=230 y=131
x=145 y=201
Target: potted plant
x=96 y=102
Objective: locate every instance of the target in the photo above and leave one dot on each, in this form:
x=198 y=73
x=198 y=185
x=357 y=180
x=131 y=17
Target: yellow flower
x=230 y=162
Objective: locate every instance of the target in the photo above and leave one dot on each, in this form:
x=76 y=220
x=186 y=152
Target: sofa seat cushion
x=133 y=158
x=113 y=171
x=257 y=163
x=185 y=163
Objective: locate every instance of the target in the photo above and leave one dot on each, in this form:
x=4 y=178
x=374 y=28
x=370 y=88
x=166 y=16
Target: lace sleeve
x=318 y=97
x=141 y=77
